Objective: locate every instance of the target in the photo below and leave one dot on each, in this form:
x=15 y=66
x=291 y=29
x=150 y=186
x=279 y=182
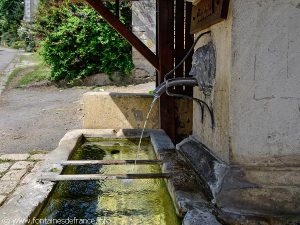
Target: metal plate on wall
x=207 y=13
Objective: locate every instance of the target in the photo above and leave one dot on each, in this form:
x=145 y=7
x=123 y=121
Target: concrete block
x=7 y=186
x=4 y=166
x=265 y=190
x=199 y=217
x=2 y=199
x=21 y=165
x=14 y=157
x=37 y=166
x=29 y=178
x=265 y=200
x=104 y=110
x=13 y=175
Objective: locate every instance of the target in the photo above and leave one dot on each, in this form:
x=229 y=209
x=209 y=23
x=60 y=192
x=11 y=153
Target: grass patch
x=5 y=160
x=14 y=74
x=31 y=57
x=34 y=152
x=39 y=73
x=31 y=69
x=151 y=92
x=54 y=170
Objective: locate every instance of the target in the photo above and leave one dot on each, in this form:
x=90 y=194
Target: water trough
x=31 y=201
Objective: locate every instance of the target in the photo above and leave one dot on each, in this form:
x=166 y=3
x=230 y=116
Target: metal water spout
x=162 y=88
x=202 y=75
x=192 y=82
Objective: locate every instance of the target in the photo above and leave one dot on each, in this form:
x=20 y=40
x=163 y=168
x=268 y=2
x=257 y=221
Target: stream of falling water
x=142 y=134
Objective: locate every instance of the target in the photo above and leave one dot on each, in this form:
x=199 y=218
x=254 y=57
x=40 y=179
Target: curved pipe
x=189 y=81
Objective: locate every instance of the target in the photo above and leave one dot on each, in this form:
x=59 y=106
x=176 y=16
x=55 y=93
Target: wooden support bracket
x=125 y=32
x=207 y=13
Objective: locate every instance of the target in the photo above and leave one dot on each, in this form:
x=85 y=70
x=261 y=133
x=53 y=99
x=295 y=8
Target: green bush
x=27 y=35
x=11 y=14
x=76 y=42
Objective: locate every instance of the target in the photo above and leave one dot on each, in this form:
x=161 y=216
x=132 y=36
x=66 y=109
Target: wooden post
x=165 y=36
x=189 y=40
x=179 y=40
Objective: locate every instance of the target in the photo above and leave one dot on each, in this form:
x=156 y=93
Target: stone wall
x=29 y=9
x=144 y=27
x=256 y=95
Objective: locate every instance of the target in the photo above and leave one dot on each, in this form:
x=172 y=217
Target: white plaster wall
x=256 y=98
x=265 y=84
x=216 y=139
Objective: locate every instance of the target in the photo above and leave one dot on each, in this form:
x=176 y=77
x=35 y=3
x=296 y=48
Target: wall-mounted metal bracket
x=204 y=67
x=207 y=13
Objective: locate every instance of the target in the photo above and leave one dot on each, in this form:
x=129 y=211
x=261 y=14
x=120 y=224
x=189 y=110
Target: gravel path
x=37 y=118
x=7 y=64
x=6 y=56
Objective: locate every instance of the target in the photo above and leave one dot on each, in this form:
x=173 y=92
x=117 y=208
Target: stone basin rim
x=28 y=199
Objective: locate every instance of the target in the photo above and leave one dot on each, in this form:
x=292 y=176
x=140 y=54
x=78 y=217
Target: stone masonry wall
x=144 y=27
x=29 y=9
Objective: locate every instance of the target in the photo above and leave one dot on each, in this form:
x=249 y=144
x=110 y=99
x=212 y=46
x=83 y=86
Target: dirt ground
x=36 y=118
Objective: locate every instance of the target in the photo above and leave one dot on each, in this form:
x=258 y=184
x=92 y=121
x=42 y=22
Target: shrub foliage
x=76 y=42
x=11 y=14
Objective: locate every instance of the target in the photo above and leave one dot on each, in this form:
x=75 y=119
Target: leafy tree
x=11 y=14
x=76 y=42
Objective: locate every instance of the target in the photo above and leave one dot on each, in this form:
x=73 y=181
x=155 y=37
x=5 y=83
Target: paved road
x=6 y=55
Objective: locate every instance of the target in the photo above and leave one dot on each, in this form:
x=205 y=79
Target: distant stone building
x=144 y=27
x=29 y=9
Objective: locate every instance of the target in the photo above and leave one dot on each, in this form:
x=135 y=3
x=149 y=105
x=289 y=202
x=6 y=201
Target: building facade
x=29 y=9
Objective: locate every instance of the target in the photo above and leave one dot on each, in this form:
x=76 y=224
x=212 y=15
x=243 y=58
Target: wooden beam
x=76 y=177
x=189 y=41
x=179 y=40
x=125 y=32
x=165 y=35
x=207 y=13
x=108 y=162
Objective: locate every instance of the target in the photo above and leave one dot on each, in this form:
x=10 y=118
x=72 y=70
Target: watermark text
x=67 y=221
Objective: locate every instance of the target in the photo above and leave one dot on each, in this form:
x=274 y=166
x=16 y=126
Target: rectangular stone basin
x=126 y=201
